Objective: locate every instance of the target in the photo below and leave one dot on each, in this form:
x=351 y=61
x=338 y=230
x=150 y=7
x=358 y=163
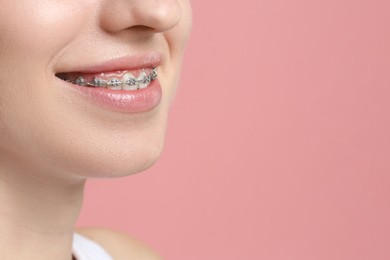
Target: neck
x=37 y=214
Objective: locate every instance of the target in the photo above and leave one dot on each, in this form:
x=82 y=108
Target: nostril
x=141 y=28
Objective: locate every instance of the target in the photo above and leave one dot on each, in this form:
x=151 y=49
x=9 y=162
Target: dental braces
x=96 y=82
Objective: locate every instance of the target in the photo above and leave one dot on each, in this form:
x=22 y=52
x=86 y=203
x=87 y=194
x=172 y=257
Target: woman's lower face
x=85 y=85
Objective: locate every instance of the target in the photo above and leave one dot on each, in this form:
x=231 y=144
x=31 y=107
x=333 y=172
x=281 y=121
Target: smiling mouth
x=116 y=80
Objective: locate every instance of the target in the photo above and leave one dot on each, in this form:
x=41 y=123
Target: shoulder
x=118 y=244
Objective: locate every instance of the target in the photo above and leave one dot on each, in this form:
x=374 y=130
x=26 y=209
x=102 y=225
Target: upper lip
x=126 y=62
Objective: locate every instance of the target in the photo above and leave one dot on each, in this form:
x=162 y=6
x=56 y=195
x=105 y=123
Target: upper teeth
x=128 y=82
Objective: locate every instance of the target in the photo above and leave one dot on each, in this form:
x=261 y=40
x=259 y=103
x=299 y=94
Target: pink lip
x=127 y=101
x=149 y=60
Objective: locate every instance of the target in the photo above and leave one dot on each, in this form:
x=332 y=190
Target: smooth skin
x=51 y=139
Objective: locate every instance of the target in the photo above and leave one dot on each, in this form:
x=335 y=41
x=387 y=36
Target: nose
x=155 y=15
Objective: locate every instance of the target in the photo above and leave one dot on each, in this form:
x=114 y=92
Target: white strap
x=86 y=249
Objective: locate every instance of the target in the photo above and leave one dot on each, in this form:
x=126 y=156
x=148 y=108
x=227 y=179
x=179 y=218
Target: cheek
x=32 y=33
x=182 y=31
x=38 y=29
x=177 y=39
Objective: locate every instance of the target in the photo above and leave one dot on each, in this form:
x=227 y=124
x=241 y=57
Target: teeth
x=80 y=81
x=141 y=76
x=129 y=87
x=98 y=82
x=128 y=81
x=142 y=85
x=114 y=84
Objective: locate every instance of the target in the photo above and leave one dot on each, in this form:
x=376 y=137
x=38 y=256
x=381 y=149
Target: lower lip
x=127 y=101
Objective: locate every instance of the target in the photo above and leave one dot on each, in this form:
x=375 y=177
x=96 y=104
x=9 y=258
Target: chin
x=119 y=166
x=117 y=157
x=82 y=158
x=107 y=162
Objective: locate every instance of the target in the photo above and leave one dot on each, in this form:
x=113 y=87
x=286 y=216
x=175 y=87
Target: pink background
x=279 y=140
